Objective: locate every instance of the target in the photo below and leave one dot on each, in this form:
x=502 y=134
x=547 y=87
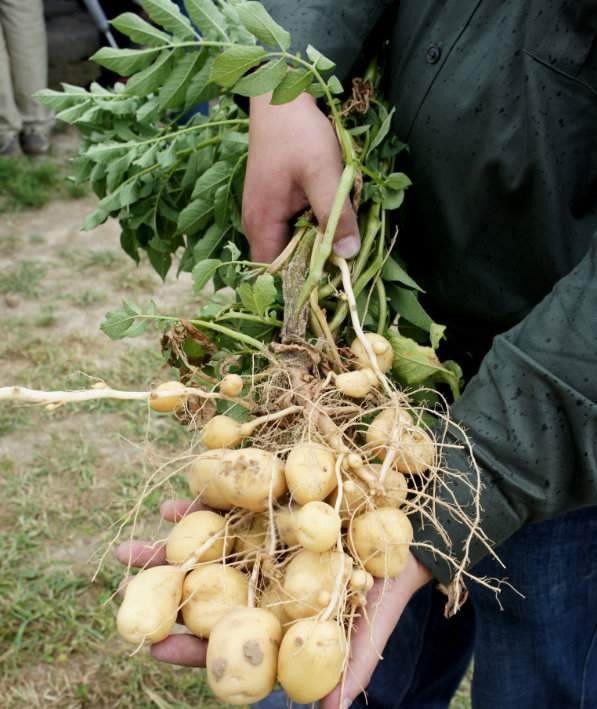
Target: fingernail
x=346 y=703
x=347 y=248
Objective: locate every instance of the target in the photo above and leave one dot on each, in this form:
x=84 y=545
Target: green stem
x=325 y=247
x=208 y=325
x=383 y=305
x=233 y=315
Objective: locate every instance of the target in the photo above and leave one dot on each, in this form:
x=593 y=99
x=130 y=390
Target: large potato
x=310 y=472
x=393 y=428
x=209 y=593
x=311 y=659
x=192 y=532
x=310 y=581
x=245 y=478
x=242 y=655
x=380 y=539
x=202 y=479
x=150 y=606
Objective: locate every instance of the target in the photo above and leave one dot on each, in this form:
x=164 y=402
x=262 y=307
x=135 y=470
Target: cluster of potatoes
x=316 y=547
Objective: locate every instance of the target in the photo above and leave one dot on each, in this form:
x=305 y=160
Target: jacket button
x=433 y=54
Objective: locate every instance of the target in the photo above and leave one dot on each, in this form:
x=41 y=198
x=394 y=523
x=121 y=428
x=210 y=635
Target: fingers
x=175 y=510
x=184 y=650
x=321 y=183
x=141 y=554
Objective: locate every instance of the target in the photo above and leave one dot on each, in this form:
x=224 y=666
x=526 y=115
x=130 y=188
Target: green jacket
x=498 y=103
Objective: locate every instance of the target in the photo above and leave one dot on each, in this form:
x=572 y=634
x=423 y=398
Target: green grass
x=27 y=183
x=24 y=278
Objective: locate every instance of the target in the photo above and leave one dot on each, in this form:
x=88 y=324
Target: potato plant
x=314 y=382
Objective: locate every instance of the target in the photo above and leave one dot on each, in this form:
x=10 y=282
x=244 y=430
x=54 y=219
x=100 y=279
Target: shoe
x=9 y=145
x=34 y=142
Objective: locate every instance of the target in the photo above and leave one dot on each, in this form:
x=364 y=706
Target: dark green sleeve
x=531 y=413
x=337 y=29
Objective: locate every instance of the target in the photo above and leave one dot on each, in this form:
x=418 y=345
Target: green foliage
x=176 y=190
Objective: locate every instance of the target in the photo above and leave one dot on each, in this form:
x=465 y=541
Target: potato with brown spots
x=311 y=659
x=242 y=656
x=246 y=477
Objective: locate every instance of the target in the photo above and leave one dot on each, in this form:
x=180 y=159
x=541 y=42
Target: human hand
x=181 y=649
x=294 y=162
x=385 y=604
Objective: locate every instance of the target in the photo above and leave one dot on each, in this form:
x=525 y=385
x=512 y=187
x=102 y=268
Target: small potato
x=415 y=451
x=231 y=385
x=150 y=606
x=318 y=526
x=192 y=532
x=223 y=432
x=253 y=537
x=286 y=524
x=355 y=498
x=310 y=581
x=202 y=479
x=356 y=384
x=382 y=349
x=168 y=404
x=209 y=593
x=361 y=581
x=395 y=488
x=380 y=539
x=245 y=478
x=274 y=600
x=242 y=656
x=310 y=472
x=311 y=659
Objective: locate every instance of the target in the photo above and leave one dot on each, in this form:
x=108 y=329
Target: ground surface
x=66 y=476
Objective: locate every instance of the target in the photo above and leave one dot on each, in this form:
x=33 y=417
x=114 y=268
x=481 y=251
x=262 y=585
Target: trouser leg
x=10 y=118
x=540 y=651
x=25 y=37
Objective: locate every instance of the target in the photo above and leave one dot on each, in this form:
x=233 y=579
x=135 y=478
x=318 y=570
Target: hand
x=294 y=162
x=182 y=649
x=385 y=603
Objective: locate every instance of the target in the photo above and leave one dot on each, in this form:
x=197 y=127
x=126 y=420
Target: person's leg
x=10 y=119
x=541 y=650
x=25 y=35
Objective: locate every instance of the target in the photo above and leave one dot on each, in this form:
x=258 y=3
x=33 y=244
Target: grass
x=24 y=278
x=26 y=183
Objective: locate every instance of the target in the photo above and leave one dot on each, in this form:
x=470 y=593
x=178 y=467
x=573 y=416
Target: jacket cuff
x=498 y=517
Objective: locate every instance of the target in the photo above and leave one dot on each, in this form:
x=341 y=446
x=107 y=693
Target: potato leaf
x=292 y=85
x=264 y=79
x=393 y=271
x=173 y=92
x=231 y=64
x=139 y=30
x=322 y=63
x=153 y=77
x=167 y=15
x=125 y=61
x=259 y=296
x=207 y=17
x=125 y=322
x=203 y=272
x=261 y=25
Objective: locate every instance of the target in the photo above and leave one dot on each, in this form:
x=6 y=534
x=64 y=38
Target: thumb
x=320 y=188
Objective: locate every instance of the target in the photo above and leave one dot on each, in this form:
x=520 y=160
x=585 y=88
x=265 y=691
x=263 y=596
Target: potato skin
x=310 y=580
x=380 y=539
x=150 y=606
x=381 y=348
x=168 y=404
x=317 y=526
x=242 y=656
x=310 y=472
x=415 y=450
x=311 y=659
x=193 y=531
x=209 y=593
x=222 y=432
x=202 y=479
x=286 y=524
x=245 y=476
